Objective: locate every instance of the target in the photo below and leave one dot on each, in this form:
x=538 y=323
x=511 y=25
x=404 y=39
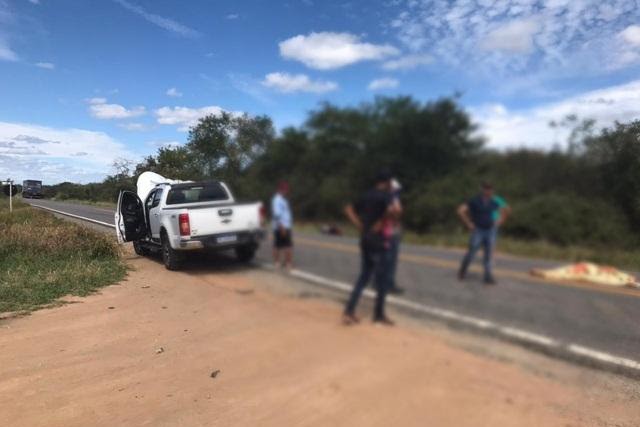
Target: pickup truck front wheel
x=171 y=258
x=246 y=253
x=140 y=249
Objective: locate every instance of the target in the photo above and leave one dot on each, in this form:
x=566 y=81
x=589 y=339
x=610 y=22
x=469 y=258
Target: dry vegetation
x=43 y=258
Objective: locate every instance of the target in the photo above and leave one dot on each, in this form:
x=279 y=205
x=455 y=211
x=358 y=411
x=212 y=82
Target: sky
x=84 y=83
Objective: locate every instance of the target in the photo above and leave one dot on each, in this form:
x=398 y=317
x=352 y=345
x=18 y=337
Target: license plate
x=227 y=239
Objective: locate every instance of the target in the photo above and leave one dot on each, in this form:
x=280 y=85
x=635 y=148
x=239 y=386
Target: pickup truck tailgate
x=208 y=221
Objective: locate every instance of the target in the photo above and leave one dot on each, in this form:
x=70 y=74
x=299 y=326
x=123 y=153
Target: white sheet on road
x=589 y=272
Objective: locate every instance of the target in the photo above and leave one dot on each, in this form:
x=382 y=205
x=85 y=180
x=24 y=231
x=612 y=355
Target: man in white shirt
x=282 y=224
x=396 y=238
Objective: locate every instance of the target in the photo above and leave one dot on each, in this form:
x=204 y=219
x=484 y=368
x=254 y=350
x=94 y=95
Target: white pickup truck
x=175 y=217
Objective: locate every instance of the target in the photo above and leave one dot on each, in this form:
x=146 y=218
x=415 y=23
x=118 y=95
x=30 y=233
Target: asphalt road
x=602 y=318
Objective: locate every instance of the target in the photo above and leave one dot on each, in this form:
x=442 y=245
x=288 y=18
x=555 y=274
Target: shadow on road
x=200 y=263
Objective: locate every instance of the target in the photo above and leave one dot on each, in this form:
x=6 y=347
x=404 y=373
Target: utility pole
x=9 y=193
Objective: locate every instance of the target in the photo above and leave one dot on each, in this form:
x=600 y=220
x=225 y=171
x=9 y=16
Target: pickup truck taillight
x=185 y=227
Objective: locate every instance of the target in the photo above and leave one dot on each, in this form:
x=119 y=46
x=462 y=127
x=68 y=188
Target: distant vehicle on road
x=31 y=189
x=175 y=218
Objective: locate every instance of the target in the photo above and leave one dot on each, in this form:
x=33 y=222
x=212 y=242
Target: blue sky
x=85 y=82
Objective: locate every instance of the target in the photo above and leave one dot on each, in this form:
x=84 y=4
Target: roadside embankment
x=43 y=258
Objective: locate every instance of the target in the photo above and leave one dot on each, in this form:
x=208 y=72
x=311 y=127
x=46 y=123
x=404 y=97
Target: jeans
x=374 y=262
x=487 y=239
x=394 y=251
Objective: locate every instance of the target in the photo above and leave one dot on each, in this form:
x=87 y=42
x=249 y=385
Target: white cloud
x=94 y=101
x=174 y=92
x=383 y=83
x=327 y=50
x=631 y=35
x=497 y=39
x=232 y=16
x=185 y=117
x=99 y=109
x=289 y=83
x=34 y=1
x=7 y=20
x=29 y=151
x=250 y=86
x=408 y=62
x=511 y=37
x=46 y=65
x=13 y=147
x=162 y=22
x=134 y=127
x=6 y=53
x=530 y=128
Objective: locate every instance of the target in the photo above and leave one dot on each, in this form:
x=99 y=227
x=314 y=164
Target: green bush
x=567 y=219
x=432 y=207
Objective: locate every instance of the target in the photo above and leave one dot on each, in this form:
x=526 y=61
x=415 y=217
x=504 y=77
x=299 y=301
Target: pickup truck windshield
x=194 y=193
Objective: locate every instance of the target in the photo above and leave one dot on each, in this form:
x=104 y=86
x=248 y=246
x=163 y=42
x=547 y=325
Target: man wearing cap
x=368 y=214
x=479 y=215
x=282 y=224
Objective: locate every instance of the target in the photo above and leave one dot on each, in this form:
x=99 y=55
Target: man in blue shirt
x=282 y=224
x=482 y=215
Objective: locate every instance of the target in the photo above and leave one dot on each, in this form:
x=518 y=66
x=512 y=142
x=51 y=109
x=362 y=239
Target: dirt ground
x=217 y=346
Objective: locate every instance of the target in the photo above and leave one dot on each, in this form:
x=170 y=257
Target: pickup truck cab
x=174 y=218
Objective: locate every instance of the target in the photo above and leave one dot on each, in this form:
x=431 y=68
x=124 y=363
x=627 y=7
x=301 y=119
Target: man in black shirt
x=479 y=215
x=368 y=214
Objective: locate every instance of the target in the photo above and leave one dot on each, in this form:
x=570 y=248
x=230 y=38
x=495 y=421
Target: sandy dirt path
x=143 y=353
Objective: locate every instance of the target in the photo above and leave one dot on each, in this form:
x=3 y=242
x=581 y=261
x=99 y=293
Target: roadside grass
x=44 y=258
x=539 y=249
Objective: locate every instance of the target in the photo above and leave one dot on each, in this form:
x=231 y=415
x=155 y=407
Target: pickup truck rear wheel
x=246 y=253
x=171 y=258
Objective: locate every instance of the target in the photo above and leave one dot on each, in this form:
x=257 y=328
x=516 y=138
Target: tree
x=172 y=162
x=224 y=146
x=616 y=154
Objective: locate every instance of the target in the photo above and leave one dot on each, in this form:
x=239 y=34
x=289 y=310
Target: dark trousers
x=374 y=262
x=394 y=252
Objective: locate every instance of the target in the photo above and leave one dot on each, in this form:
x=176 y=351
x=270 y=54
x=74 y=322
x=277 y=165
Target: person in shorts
x=282 y=224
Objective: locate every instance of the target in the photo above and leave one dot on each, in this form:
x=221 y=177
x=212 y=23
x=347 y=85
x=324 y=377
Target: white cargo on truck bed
x=175 y=217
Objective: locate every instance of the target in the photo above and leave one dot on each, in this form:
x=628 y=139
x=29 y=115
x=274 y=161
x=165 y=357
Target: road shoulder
x=145 y=351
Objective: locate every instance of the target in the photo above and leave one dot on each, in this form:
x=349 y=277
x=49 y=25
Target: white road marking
x=507 y=331
x=95 y=221
x=439 y=312
x=528 y=336
x=604 y=357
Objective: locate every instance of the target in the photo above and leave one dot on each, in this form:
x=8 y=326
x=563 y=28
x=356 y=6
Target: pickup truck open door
x=129 y=218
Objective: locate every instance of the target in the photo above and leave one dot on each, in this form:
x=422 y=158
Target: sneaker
x=396 y=290
x=461 y=275
x=490 y=281
x=384 y=321
x=349 y=319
